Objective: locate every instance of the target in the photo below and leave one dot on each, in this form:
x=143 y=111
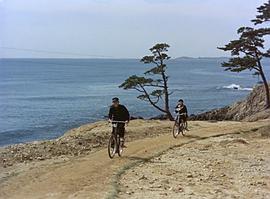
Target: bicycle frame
x=115 y=134
x=177 y=118
x=179 y=124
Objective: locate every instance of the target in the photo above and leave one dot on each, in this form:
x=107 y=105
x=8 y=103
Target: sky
x=119 y=28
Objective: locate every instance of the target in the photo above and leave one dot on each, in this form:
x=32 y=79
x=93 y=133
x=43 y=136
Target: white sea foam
x=237 y=87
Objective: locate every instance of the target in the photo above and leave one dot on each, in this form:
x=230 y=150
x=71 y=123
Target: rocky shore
x=250 y=109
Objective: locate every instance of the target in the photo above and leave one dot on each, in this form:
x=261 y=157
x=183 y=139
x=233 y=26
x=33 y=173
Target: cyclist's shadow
x=193 y=136
x=143 y=160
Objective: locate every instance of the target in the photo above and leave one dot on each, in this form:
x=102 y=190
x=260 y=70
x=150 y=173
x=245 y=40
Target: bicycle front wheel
x=112 y=146
x=184 y=127
x=176 y=130
x=120 y=148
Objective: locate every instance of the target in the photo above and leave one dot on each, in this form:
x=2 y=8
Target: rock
x=264 y=131
x=40 y=158
x=179 y=189
x=159 y=117
x=250 y=109
x=234 y=141
x=240 y=140
x=129 y=193
x=143 y=178
x=9 y=164
x=189 y=176
x=223 y=175
x=136 y=118
x=216 y=114
x=96 y=145
x=157 y=187
x=165 y=194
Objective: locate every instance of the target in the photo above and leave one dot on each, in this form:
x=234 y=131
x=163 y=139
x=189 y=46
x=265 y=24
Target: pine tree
x=153 y=86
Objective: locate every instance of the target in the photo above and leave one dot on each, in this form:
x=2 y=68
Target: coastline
x=93 y=136
x=93 y=173
x=81 y=94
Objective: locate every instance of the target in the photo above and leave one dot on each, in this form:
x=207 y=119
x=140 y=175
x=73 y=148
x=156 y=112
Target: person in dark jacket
x=181 y=109
x=119 y=112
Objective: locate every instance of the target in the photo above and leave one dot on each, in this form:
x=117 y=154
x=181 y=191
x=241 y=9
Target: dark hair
x=181 y=100
x=115 y=99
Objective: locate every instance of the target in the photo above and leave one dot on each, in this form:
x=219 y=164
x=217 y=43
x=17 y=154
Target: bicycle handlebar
x=181 y=114
x=115 y=121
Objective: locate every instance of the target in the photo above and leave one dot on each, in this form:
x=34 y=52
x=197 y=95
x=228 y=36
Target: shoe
x=122 y=140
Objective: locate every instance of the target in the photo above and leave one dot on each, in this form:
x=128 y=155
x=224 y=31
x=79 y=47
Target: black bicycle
x=115 y=144
x=179 y=126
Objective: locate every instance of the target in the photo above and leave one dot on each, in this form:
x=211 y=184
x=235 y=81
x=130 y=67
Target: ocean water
x=42 y=98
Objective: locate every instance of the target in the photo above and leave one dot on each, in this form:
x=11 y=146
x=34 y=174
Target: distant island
x=186 y=57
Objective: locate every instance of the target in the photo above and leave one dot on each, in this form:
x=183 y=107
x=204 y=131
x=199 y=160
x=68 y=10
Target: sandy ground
x=231 y=166
x=93 y=175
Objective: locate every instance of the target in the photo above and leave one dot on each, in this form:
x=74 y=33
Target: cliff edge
x=250 y=109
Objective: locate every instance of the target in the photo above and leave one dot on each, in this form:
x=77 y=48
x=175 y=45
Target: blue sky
x=120 y=28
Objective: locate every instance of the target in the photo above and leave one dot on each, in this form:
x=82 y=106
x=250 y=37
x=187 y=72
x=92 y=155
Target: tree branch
x=150 y=100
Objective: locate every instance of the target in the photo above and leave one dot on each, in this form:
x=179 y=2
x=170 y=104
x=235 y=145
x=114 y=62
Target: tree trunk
x=167 y=105
x=169 y=116
x=166 y=93
x=266 y=87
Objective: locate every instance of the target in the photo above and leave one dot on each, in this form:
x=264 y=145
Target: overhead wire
x=45 y=60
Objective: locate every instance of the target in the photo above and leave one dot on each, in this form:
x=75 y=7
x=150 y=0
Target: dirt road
x=92 y=176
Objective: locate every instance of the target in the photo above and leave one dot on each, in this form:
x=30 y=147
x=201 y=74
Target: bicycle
x=115 y=144
x=179 y=125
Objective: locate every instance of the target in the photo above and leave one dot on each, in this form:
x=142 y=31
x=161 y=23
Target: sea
x=41 y=99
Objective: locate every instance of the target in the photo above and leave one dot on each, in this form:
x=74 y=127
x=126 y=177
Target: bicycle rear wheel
x=112 y=146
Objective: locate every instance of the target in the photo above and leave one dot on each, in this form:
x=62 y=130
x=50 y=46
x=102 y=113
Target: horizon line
x=172 y=58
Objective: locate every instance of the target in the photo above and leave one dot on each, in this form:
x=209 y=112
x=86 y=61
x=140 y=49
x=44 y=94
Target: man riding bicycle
x=119 y=112
x=181 y=109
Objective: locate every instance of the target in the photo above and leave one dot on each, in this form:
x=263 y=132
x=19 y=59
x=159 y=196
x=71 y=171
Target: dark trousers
x=183 y=118
x=121 y=130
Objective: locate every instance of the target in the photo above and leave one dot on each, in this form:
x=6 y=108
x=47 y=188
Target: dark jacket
x=181 y=110
x=119 y=113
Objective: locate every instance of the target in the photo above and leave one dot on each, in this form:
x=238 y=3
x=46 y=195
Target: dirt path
x=228 y=166
x=91 y=176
